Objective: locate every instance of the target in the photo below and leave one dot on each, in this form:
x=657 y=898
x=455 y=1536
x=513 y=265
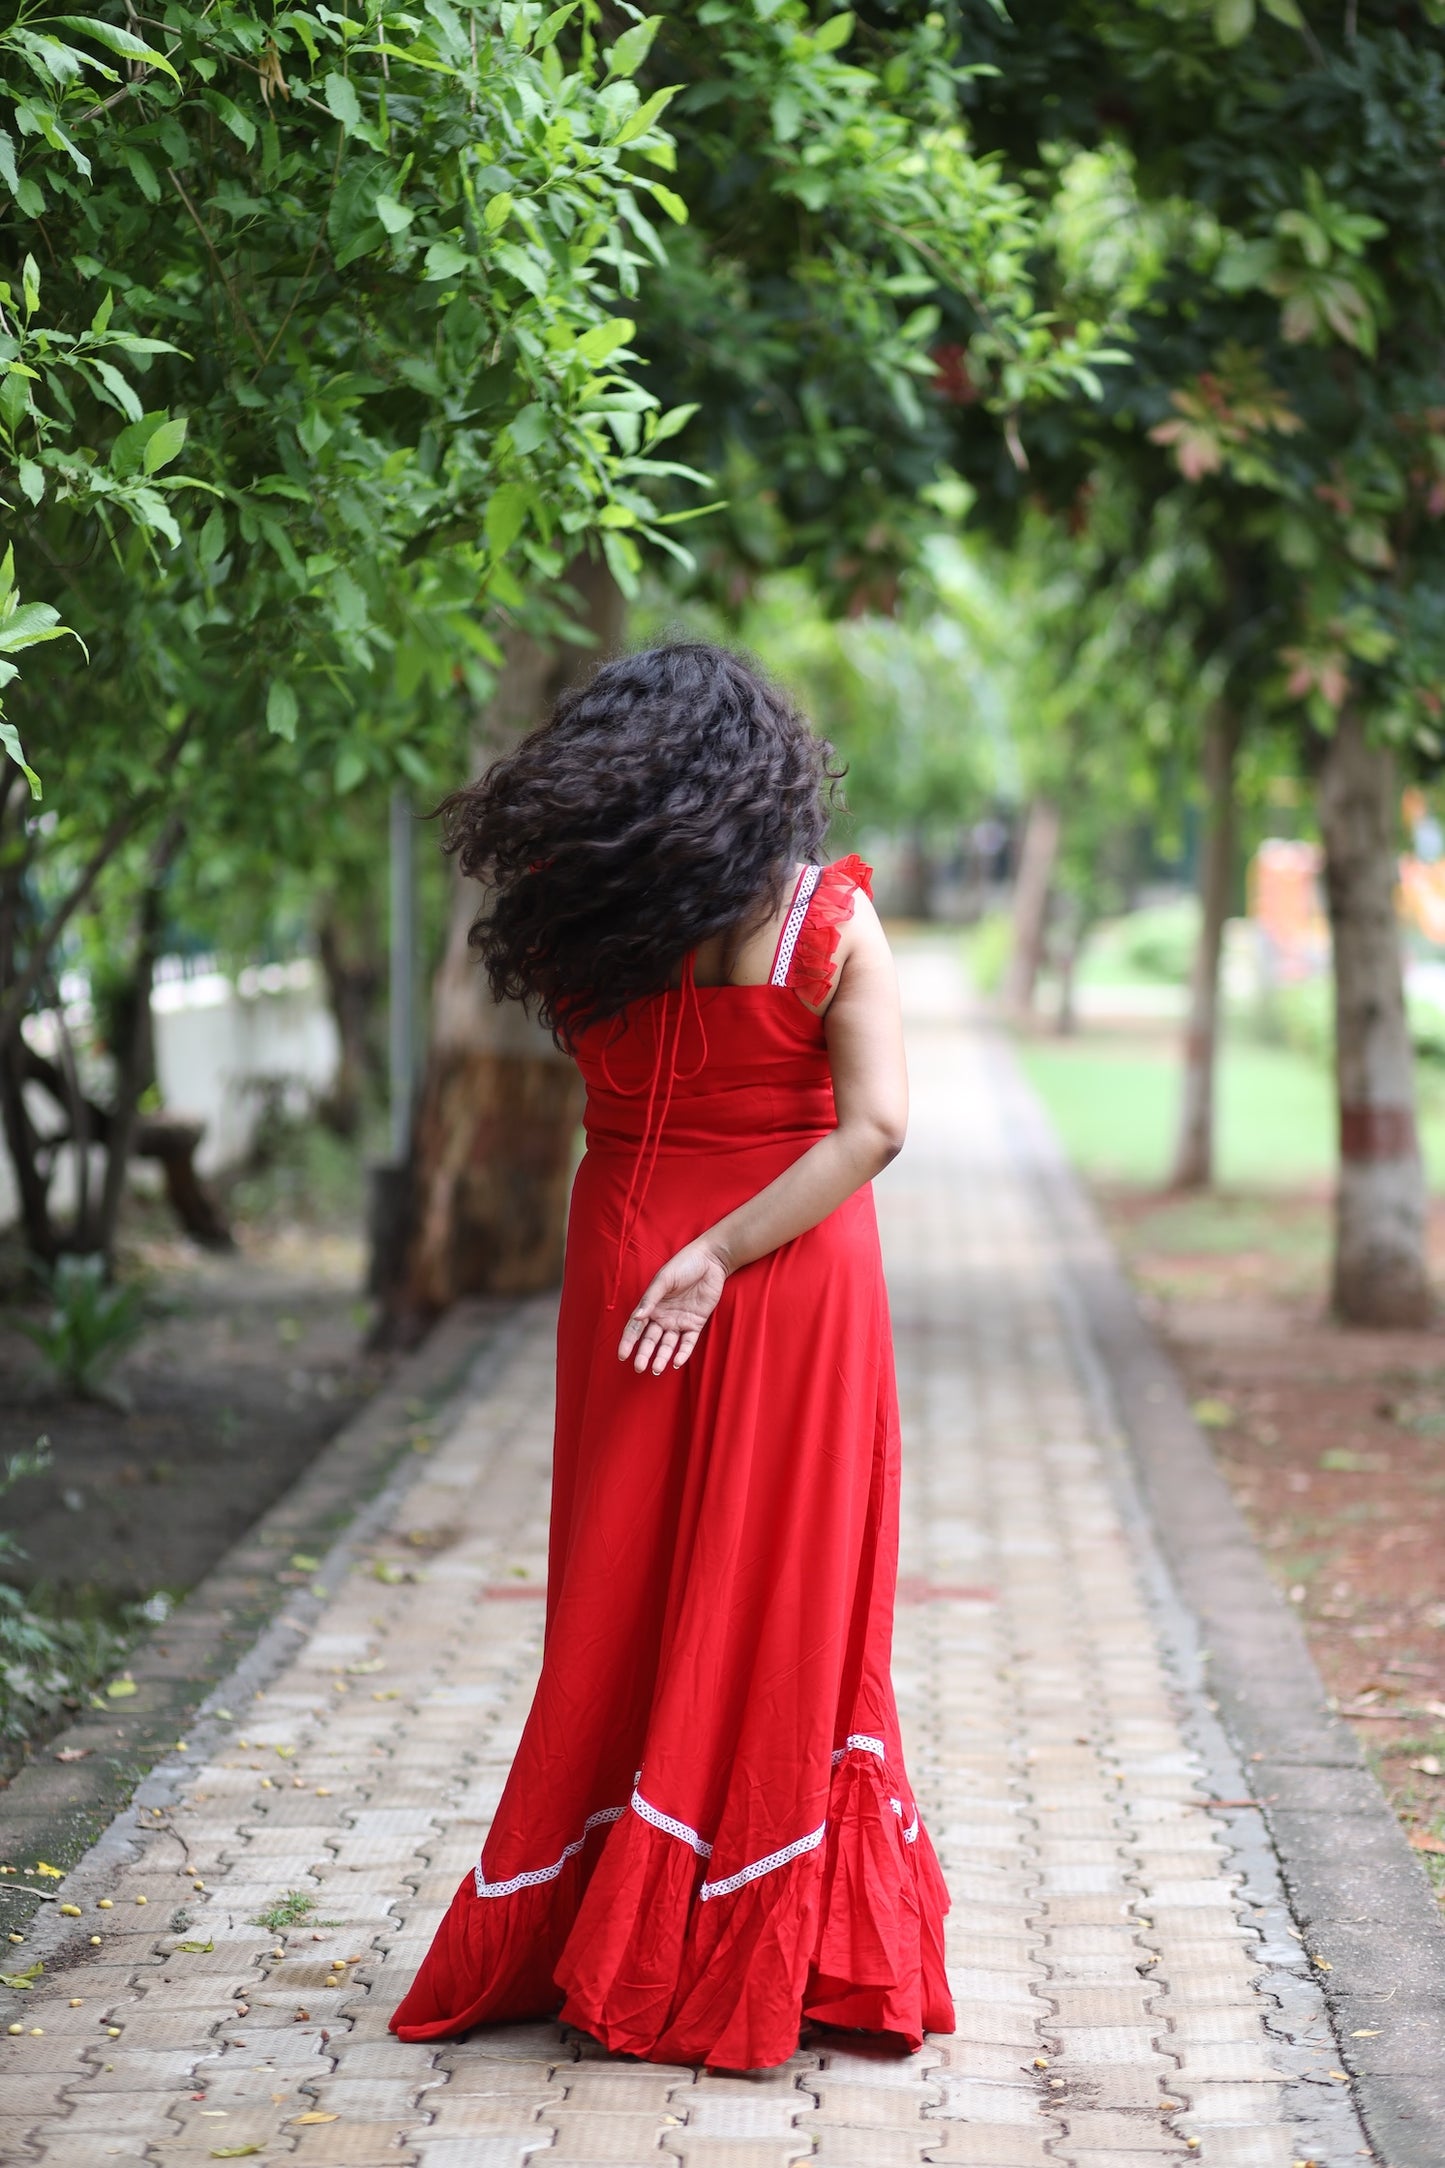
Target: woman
x=707 y=1835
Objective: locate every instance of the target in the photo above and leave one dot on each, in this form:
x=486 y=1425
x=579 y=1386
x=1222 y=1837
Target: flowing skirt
x=708 y=1833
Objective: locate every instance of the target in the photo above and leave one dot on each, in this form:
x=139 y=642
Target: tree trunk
x=484 y=1209
x=1194 y=1144
x=1080 y=925
x=1379 y=1267
x=134 y=1050
x=1033 y=885
x=352 y=986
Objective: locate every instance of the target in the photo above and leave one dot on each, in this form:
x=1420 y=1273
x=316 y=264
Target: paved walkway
x=1130 y=1988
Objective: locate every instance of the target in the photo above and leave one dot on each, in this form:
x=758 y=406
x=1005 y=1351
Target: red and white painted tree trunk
x=1379 y=1267
x=1194 y=1144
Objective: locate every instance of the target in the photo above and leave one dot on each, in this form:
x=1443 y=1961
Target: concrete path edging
x=1357 y=1891
x=234 y=1630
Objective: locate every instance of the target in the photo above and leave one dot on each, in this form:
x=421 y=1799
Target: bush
x=1155 y=945
x=90 y=1325
x=46 y=1660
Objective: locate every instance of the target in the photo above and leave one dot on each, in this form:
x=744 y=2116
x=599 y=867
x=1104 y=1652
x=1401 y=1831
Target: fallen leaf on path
x=1213 y=1414
x=202 y=1949
x=1422 y=1841
x=315 y=2115
x=52 y=1874
x=73 y=1753
x=120 y=1689
x=233 y=2152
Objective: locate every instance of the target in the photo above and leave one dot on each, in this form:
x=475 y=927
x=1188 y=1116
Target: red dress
x=707 y=1834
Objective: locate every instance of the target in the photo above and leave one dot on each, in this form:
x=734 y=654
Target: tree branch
x=17 y=996
x=221 y=272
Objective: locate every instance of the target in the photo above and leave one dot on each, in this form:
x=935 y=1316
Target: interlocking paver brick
x=1100 y=1919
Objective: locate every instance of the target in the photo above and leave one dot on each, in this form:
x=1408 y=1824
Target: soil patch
x=250 y=1366
x=1333 y=1443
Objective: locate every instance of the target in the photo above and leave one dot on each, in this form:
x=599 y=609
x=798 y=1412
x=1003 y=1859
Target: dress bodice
x=720 y=1067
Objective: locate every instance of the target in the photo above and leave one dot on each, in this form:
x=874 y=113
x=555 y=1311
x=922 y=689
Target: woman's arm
x=864 y=1033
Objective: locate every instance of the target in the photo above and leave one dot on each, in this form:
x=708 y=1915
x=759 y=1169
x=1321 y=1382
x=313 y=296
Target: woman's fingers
x=685 y=1346
x=664 y=1353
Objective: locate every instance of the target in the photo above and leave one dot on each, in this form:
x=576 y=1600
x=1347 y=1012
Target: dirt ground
x=1334 y=1444
x=251 y=1362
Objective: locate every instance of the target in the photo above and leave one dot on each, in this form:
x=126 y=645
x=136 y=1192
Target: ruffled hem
x=622 y=1943
x=811 y=972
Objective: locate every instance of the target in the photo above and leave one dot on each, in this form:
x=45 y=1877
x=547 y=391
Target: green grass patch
x=1115 y=1104
x=293 y=1909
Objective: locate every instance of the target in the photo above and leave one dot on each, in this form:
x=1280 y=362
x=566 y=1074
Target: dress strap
x=808 y=880
x=813 y=951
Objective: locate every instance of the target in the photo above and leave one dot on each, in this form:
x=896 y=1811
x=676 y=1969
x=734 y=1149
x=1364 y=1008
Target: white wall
x=214 y=1037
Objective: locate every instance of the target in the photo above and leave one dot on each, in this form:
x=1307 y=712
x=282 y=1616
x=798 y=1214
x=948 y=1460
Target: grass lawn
x=1113 y=1099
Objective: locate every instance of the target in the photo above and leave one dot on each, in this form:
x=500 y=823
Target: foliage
x=90 y=1325
x=44 y=1659
x=327 y=362
x=844 y=231
x=1287 y=316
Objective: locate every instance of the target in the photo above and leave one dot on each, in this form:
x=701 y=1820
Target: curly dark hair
x=664 y=801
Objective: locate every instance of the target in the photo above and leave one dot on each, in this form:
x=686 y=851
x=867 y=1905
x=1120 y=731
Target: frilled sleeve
x=815 y=954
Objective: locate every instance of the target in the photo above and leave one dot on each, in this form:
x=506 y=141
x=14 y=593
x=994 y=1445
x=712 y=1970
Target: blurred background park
x=1049 y=394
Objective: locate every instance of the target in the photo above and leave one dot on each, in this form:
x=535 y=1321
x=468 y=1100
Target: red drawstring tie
x=669 y=1039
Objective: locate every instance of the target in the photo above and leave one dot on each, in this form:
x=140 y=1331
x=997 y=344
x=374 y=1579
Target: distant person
x=707 y=1835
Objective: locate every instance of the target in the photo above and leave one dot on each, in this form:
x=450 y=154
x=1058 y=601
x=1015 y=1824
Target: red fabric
x=811 y=972
x=723 y=1556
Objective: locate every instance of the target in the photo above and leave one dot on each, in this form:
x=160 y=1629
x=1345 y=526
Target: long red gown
x=707 y=1834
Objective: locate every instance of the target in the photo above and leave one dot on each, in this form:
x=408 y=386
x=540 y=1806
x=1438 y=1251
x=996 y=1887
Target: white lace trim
x=807 y=882
x=910 y=1834
x=673 y=1828
x=759 y=1867
x=536 y=1875
x=858 y=1742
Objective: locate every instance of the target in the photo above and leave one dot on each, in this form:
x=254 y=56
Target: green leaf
x=9 y=171
x=162 y=448
x=632 y=48
x=529 y=428
x=31 y=477
x=835 y=32
x=197 y=1949
x=787 y=115
x=30 y=286
x=505 y=516
x=351 y=769
x=282 y=710
x=603 y=340
x=671 y=422
x=101 y=317
x=1233 y=20
x=211 y=541
x=340 y=95
x=10 y=743
x=120 y=391
x=142 y=172
x=28 y=626
x=497 y=210
x=116 y=40
x=674 y=206
x=1285 y=11
x=646 y=114
x=396 y=217
x=444 y=260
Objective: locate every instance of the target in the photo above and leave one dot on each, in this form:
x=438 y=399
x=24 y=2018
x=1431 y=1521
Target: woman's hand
x=678 y=1302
